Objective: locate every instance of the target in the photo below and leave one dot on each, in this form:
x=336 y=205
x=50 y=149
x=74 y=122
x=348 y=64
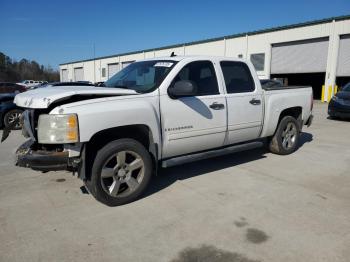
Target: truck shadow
x=168 y=176
x=305 y=138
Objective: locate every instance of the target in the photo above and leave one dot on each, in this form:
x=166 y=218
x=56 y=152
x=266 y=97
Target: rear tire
x=286 y=138
x=120 y=173
x=12 y=116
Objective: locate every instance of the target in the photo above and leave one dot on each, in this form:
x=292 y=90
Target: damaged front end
x=54 y=142
x=29 y=155
x=45 y=157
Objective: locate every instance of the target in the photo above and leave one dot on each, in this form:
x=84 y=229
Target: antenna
x=172 y=54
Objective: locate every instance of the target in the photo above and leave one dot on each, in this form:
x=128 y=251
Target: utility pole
x=94 y=63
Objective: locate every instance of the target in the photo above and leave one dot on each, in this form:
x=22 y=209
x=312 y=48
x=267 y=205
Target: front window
x=202 y=73
x=143 y=77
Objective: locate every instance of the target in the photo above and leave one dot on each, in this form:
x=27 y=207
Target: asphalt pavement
x=250 y=206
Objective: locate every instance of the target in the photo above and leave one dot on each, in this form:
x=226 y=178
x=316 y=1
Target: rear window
x=238 y=78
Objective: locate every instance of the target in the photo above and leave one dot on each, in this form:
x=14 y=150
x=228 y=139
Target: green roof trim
x=273 y=29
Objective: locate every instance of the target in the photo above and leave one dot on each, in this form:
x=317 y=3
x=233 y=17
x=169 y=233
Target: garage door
x=307 y=56
x=78 y=74
x=343 y=67
x=64 y=75
x=125 y=64
x=112 y=69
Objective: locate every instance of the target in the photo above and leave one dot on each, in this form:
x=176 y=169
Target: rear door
x=244 y=102
x=196 y=123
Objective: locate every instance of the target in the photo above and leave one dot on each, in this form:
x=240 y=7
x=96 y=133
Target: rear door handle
x=217 y=106
x=255 y=102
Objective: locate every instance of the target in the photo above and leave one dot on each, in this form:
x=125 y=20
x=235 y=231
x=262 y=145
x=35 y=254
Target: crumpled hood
x=43 y=97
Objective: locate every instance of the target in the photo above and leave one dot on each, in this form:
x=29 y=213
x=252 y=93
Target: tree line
x=16 y=71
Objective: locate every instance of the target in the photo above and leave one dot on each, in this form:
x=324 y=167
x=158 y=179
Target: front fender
x=94 y=116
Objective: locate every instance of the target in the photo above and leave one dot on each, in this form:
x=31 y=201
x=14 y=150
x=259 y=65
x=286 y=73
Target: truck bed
x=277 y=98
x=272 y=88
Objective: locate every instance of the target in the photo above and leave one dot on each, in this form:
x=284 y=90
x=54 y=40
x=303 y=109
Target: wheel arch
x=295 y=112
x=140 y=132
x=273 y=118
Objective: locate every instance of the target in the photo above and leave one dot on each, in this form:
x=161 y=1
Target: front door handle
x=217 y=106
x=255 y=102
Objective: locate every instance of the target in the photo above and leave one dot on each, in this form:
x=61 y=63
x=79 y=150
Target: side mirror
x=182 y=88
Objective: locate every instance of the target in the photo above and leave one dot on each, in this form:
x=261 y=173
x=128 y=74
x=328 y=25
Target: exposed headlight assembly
x=58 y=129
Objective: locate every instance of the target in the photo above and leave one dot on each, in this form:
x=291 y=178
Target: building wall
x=243 y=46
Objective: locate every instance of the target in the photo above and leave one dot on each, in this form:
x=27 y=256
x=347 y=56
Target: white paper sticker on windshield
x=163 y=64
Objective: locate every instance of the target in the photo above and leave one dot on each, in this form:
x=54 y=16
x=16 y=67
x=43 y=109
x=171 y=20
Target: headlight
x=54 y=129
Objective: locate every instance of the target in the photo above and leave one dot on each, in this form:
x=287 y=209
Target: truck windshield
x=143 y=77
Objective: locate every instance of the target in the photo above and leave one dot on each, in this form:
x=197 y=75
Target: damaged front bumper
x=43 y=160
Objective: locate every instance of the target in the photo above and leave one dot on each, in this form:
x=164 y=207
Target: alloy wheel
x=14 y=117
x=122 y=174
x=289 y=134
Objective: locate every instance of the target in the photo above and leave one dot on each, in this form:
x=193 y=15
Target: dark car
x=339 y=106
x=9 y=112
x=79 y=83
x=6 y=87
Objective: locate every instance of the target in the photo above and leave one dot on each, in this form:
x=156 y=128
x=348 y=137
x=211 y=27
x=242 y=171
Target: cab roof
x=199 y=57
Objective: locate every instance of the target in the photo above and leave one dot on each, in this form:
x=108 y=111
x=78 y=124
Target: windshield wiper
x=124 y=87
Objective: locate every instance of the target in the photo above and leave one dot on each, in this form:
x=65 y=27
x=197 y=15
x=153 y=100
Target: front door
x=192 y=124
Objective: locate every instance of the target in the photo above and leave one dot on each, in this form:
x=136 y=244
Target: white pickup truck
x=157 y=112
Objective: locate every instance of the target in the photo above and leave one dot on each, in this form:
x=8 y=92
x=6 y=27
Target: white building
x=314 y=53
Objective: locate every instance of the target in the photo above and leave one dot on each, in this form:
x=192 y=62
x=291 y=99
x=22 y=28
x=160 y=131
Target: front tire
x=286 y=138
x=120 y=173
